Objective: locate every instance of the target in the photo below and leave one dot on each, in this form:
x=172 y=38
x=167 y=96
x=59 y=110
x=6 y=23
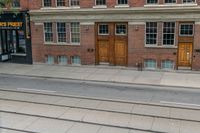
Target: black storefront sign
x=15 y=40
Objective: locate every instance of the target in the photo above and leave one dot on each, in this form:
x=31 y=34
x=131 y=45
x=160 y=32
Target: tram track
x=103 y=110
x=9 y=93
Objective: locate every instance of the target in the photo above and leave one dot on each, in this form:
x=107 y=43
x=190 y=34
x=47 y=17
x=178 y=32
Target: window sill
x=62 y=44
x=18 y=54
x=171 y=5
x=162 y=46
x=100 y=6
x=122 y=6
x=60 y=7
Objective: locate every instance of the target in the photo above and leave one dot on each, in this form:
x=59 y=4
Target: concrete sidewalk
x=108 y=74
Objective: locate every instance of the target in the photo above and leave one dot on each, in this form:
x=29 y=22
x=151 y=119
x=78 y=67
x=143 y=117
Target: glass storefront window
x=21 y=46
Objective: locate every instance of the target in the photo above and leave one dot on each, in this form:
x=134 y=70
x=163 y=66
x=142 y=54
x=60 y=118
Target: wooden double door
x=111 y=43
x=185 y=54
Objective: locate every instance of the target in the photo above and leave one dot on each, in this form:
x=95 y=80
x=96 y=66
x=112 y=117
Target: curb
x=109 y=82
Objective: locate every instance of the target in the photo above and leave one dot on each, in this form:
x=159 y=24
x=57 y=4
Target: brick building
x=159 y=34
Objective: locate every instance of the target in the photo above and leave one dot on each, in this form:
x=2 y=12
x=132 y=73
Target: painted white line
x=183 y=104
x=35 y=90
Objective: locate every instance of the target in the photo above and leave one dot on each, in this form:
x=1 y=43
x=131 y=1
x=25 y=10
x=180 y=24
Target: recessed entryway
x=111 y=43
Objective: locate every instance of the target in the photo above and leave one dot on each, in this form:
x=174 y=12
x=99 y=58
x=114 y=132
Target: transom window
x=167 y=64
x=48 y=32
x=151 y=33
x=150 y=64
x=103 y=29
x=168 y=33
x=60 y=2
x=100 y=2
x=170 y=1
x=188 y=1
x=75 y=32
x=122 y=2
x=186 y=29
x=61 y=31
x=47 y=3
x=16 y=3
x=121 y=29
x=74 y=2
x=152 y=1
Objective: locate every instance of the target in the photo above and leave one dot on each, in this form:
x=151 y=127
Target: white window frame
x=171 y=3
x=173 y=65
x=188 y=2
x=76 y=6
x=44 y=33
x=149 y=68
x=122 y=4
x=121 y=34
x=186 y=24
x=152 y=3
x=75 y=43
x=57 y=33
x=151 y=45
x=61 y=63
x=75 y=63
x=174 y=35
x=56 y=2
x=99 y=29
x=46 y=6
x=100 y=5
x=51 y=63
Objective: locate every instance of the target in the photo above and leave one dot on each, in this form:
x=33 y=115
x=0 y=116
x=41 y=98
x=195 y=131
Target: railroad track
x=94 y=108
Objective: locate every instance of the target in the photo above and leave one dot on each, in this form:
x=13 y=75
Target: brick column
x=196 y=47
x=87 y=31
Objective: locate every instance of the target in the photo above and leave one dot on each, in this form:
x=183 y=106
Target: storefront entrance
x=15 y=41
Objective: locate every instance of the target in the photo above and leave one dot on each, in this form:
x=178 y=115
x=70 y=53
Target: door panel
x=111 y=47
x=185 y=54
x=120 y=52
x=103 y=50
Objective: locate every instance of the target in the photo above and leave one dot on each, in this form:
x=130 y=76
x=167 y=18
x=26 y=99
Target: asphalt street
x=156 y=94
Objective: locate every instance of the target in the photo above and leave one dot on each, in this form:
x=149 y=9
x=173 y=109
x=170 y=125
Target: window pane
x=74 y=2
x=75 y=32
x=167 y=64
x=188 y=1
x=60 y=2
x=103 y=29
x=76 y=60
x=48 y=31
x=47 y=3
x=170 y=1
x=152 y=1
x=100 y=2
x=61 y=31
x=121 y=29
x=122 y=1
x=151 y=33
x=186 y=29
x=62 y=60
x=168 y=33
x=50 y=59
x=16 y=3
x=150 y=64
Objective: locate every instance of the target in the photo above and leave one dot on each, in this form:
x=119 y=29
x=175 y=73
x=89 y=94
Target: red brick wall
x=137 y=52
x=88 y=44
x=37 y=42
x=86 y=50
x=196 y=55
